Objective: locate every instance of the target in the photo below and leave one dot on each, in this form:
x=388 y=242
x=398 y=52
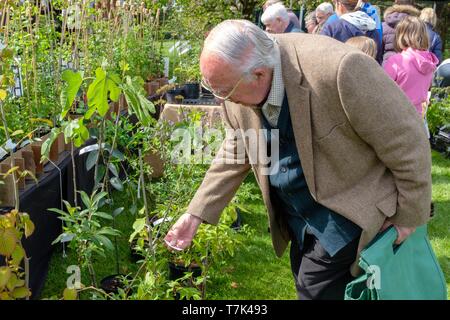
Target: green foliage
x=104 y=87
x=137 y=100
x=88 y=236
x=13 y=226
x=438 y=113
x=69 y=92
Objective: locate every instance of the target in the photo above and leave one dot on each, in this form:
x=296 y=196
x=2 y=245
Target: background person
x=276 y=20
x=365 y=44
x=392 y=16
x=323 y=12
x=413 y=66
x=292 y=16
x=352 y=23
x=428 y=16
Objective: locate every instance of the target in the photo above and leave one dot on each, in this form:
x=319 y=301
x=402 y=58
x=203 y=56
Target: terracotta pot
x=7 y=197
x=157 y=164
x=152 y=87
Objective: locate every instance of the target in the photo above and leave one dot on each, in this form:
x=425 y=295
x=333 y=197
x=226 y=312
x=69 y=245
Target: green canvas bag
x=409 y=271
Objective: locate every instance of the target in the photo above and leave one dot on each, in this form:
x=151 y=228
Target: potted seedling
x=88 y=236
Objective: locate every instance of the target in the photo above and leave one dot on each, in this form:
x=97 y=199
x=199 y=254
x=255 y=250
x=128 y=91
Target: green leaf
x=101 y=170
x=5 y=275
x=85 y=198
x=81 y=133
x=105 y=241
x=91 y=159
x=138 y=226
x=12 y=283
x=118 y=211
x=137 y=100
x=20 y=293
x=70 y=294
x=17 y=255
x=113 y=168
x=103 y=215
x=29 y=225
x=69 y=92
x=46 y=146
x=118 y=155
x=116 y=183
x=3 y=94
x=104 y=86
x=8 y=241
x=109 y=231
x=99 y=196
x=17 y=132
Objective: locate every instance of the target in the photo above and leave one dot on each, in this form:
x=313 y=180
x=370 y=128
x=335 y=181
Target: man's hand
x=403 y=232
x=182 y=232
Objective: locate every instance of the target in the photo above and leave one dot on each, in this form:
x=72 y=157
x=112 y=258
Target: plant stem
x=149 y=230
x=16 y=188
x=74 y=174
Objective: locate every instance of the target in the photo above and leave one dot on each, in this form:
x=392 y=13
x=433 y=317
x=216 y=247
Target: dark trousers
x=317 y=275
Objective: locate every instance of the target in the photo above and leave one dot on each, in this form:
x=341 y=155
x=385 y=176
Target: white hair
x=325 y=7
x=242 y=44
x=273 y=12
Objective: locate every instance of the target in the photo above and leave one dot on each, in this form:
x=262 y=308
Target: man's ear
x=260 y=73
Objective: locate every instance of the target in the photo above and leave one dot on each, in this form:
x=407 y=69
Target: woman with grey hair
x=311 y=22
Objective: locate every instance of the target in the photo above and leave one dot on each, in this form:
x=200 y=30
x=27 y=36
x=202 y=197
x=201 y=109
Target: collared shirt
x=272 y=107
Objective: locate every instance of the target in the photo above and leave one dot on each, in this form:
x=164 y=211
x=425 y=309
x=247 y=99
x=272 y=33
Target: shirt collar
x=276 y=94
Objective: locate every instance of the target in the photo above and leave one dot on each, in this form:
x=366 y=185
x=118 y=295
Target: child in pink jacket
x=413 y=67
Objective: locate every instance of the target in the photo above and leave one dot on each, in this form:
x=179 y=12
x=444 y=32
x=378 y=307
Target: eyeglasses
x=219 y=94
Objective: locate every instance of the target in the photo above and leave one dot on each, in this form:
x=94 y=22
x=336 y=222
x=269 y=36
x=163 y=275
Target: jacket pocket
x=388 y=206
x=331 y=132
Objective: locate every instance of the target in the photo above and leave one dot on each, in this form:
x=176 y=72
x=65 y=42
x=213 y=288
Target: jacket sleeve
x=327 y=30
x=222 y=179
x=381 y=114
x=390 y=69
x=436 y=47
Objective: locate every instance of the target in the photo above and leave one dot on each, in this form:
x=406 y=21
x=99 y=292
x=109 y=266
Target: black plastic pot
x=441 y=140
x=177 y=271
x=135 y=254
x=111 y=284
x=171 y=95
x=237 y=224
x=205 y=91
x=192 y=90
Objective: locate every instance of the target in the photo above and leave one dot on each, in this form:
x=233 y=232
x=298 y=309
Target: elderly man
x=353 y=156
x=276 y=20
x=323 y=12
x=292 y=17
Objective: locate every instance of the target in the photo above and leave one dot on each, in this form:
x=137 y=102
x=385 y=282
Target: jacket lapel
x=299 y=108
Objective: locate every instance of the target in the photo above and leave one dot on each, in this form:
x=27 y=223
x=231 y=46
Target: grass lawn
x=254 y=272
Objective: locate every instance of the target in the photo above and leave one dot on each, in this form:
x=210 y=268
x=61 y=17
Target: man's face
x=223 y=78
x=321 y=17
x=275 y=26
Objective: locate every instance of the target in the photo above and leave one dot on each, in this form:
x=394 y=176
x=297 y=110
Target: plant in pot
x=188 y=73
x=209 y=247
x=84 y=229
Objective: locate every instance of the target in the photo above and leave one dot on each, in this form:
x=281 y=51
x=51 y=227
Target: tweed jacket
x=362 y=146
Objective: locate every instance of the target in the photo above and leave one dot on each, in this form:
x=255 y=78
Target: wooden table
x=178 y=112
